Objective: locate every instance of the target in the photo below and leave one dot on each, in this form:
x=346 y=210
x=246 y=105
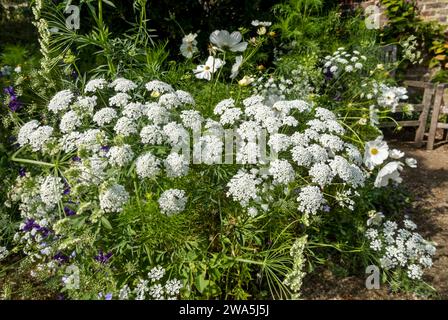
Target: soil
x=429 y=186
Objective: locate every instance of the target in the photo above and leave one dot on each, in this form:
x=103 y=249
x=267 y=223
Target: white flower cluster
x=113 y=198
x=172 y=201
x=123 y=85
x=51 y=189
x=94 y=85
x=243 y=187
x=3 y=253
x=120 y=155
x=389 y=97
x=152 y=288
x=104 y=116
x=401 y=247
x=34 y=135
x=61 y=101
x=69 y=121
x=310 y=200
x=176 y=165
x=282 y=171
x=319 y=149
x=280 y=88
x=342 y=61
x=147 y=165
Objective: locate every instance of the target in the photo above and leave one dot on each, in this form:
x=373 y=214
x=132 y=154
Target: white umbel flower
x=123 y=85
x=310 y=200
x=39 y=137
x=281 y=171
x=120 y=155
x=95 y=84
x=104 y=116
x=159 y=87
x=321 y=174
x=176 y=165
x=114 y=198
x=69 y=122
x=85 y=105
x=185 y=98
x=147 y=165
x=192 y=119
x=25 y=132
x=279 y=142
x=133 y=110
x=51 y=190
x=125 y=127
x=60 y=101
x=243 y=187
x=152 y=135
x=175 y=133
x=172 y=201
x=156 y=113
x=120 y=99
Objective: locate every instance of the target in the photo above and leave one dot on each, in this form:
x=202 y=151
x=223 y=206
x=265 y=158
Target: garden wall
x=429 y=9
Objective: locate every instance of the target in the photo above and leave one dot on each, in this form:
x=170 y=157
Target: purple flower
x=14 y=103
x=103 y=258
x=328 y=75
x=9 y=90
x=44 y=231
x=30 y=224
x=66 y=188
x=22 y=171
x=69 y=212
x=61 y=258
x=76 y=158
x=105 y=148
x=108 y=296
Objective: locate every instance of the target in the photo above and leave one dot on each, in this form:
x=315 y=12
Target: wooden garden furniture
x=422 y=108
x=438 y=109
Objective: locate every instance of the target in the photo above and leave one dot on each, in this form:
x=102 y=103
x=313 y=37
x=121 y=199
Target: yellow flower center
x=207 y=68
x=374 y=151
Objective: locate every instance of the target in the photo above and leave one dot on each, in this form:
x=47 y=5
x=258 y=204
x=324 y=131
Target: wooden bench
x=423 y=108
x=438 y=109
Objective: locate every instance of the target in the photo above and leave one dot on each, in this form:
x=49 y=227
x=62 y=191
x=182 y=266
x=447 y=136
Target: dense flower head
x=401 y=247
x=172 y=201
x=113 y=198
x=60 y=101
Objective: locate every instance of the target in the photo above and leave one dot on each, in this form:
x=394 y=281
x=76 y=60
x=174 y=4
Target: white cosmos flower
x=375 y=218
x=225 y=41
x=396 y=154
x=376 y=152
x=236 y=67
x=390 y=171
x=188 y=46
x=411 y=162
x=204 y=71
